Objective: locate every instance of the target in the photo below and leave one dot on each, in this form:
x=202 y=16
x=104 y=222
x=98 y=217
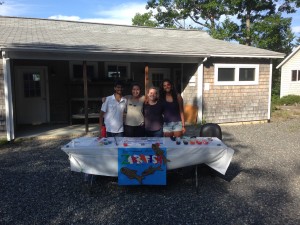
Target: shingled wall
x=236 y=103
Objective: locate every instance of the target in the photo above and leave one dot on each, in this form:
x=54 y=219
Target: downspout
x=270 y=90
x=200 y=91
x=10 y=133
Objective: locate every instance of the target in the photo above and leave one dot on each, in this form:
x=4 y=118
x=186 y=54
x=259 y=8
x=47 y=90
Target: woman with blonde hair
x=153 y=114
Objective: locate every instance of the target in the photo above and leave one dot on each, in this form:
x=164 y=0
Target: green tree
x=144 y=20
x=274 y=33
x=298 y=41
x=209 y=14
x=204 y=13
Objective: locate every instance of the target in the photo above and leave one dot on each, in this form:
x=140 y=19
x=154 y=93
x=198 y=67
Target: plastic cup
x=192 y=141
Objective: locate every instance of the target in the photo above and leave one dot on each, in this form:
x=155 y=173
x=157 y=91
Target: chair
x=211 y=130
x=208 y=130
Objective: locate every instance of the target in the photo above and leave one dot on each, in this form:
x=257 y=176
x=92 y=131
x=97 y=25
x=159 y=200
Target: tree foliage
x=144 y=20
x=251 y=22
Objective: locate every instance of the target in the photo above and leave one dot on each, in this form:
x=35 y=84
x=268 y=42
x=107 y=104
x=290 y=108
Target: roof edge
x=288 y=57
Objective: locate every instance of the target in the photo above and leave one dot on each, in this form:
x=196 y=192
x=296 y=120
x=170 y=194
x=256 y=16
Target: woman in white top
x=134 y=119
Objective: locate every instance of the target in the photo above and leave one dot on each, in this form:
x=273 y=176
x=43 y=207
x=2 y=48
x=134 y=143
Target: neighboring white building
x=290 y=74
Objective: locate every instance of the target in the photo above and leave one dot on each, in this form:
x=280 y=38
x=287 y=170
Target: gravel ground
x=261 y=186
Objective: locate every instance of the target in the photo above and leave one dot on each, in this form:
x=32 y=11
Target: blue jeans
x=156 y=133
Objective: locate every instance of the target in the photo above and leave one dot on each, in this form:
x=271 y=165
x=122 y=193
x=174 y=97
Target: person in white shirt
x=112 y=110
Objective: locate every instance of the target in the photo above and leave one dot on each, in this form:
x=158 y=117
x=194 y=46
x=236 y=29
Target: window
x=236 y=74
x=295 y=75
x=76 y=69
x=117 y=70
x=157 y=79
x=32 y=85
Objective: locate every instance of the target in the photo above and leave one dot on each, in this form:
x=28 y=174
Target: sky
x=102 y=11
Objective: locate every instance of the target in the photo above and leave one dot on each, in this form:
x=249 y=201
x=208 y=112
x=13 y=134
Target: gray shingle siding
x=234 y=103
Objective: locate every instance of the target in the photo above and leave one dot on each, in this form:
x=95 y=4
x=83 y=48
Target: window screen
x=226 y=74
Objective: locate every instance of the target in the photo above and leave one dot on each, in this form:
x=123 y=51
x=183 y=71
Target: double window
x=295 y=75
x=76 y=70
x=236 y=74
x=117 y=70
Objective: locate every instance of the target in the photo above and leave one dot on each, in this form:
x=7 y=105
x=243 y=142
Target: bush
x=289 y=100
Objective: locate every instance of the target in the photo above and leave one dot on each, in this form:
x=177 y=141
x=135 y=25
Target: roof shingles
x=57 y=35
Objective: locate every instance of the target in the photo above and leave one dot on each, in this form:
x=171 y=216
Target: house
x=42 y=63
x=290 y=74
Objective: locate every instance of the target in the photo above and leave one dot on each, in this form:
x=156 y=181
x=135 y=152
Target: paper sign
x=141 y=166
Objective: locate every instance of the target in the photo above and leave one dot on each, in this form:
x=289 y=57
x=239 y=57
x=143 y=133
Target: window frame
x=126 y=64
x=236 y=68
x=297 y=75
x=80 y=63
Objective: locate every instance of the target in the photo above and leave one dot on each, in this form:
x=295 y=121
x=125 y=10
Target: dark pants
x=156 y=133
x=134 y=131
x=110 y=134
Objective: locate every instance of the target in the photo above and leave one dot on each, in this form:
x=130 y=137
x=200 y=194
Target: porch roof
x=45 y=35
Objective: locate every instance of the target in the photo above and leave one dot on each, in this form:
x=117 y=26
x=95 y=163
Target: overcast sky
x=103 y=11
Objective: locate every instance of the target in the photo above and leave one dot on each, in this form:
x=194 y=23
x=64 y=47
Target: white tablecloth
x=88 y=155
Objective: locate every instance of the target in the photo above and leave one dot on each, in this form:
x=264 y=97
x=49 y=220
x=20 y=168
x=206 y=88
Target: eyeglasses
x=132 y=104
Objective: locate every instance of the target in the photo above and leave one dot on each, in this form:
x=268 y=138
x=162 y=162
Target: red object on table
x=103 y=131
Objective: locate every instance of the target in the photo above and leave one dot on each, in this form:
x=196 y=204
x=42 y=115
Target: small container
x=103 y=131
x=185 y=141
x=204 y=141
x=199 y=141
x=192 y=141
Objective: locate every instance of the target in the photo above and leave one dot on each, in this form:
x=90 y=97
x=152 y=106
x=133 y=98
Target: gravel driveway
x=261 y=186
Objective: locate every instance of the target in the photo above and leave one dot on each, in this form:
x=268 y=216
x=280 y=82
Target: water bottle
x=103 y=131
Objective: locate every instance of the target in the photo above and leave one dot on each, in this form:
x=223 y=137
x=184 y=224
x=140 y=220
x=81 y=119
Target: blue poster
x=142 y=166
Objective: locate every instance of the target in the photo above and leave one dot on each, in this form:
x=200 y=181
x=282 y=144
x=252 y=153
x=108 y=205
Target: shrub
x=289 y=100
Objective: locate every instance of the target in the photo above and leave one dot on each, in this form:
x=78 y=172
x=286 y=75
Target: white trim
x=270 y=90
x=10 y=132
x=200 y=91
x=249 y=56
x=72 y=63
x=236 y=75
x=288 y=57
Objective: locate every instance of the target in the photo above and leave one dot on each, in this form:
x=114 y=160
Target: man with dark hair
x=112 y=111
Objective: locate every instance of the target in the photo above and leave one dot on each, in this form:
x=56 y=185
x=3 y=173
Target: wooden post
x=85 y=95
x=146 y=79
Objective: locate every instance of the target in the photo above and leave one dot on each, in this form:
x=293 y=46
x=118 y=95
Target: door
x=157 y=75
x=31 y=95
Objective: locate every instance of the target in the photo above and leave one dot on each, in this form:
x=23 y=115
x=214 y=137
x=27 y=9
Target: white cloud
x=296 y=29
x=120 y=14
x=13 y=8
x=61 y=17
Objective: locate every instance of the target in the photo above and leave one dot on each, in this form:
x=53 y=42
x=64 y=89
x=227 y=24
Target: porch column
x=270 y=90
x=200 y=92
x=10 y=132
x=85 y=96
x=146 y=79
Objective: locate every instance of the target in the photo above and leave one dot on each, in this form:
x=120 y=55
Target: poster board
x=141 y=166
